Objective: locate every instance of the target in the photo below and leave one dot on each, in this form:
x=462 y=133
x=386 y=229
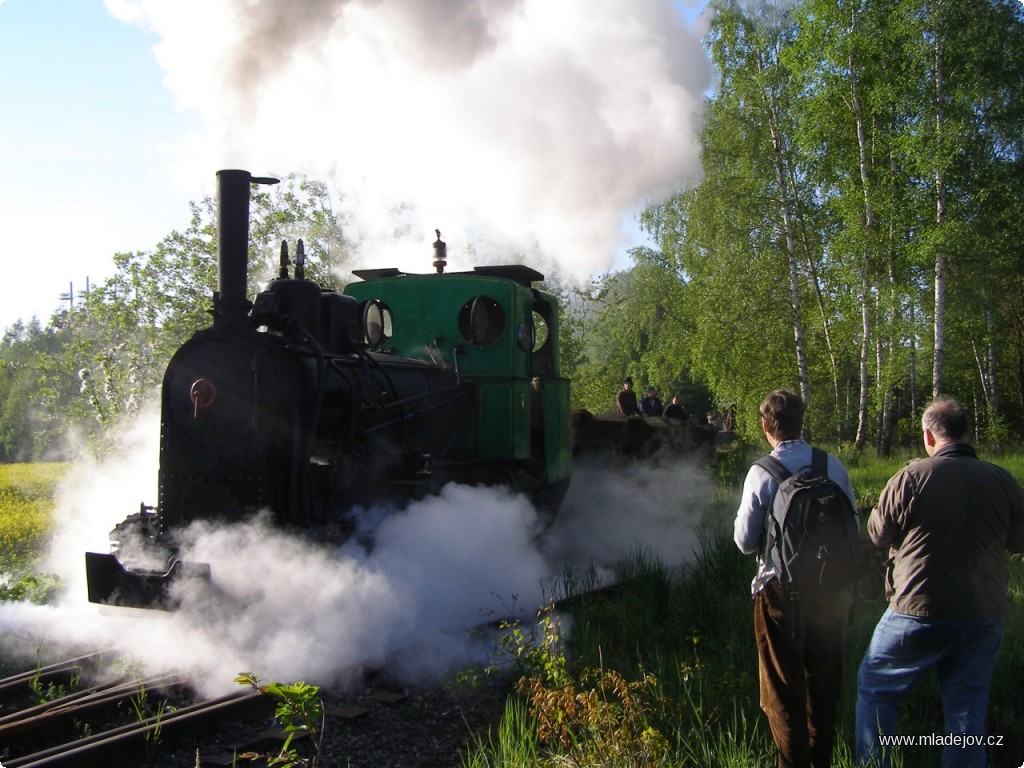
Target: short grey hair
x=947 y=420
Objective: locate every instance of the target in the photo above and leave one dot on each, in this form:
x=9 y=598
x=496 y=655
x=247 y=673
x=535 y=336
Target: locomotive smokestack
x=230 y=304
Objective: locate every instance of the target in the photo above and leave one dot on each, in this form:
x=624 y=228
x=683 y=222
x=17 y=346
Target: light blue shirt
x=759 y=489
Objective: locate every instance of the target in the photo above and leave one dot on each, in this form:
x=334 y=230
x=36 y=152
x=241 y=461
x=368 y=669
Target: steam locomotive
x=312 y=403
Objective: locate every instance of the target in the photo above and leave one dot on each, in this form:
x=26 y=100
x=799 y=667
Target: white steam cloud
x=533 y=124
x=622 y=508
x=288 y=608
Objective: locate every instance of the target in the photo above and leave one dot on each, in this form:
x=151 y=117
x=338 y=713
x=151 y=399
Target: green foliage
x=816 y=159
x=26 y=507
x=29 y=366
x=869 y=477
x=633 y=323
x=732 y=461
x=300 y=711
x=535 y=650
x=31 y=587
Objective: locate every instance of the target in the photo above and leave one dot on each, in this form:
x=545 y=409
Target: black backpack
x=811 y=533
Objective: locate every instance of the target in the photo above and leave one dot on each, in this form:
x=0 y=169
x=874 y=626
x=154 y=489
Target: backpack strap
x=773 y=467
x=772 y=527
x=819 y=462
x=819 y=465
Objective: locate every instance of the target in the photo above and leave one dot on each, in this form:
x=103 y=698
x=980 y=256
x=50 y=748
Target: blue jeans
x=902 y=650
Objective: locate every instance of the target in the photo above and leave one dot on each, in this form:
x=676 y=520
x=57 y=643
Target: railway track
x=123 y=721
x=102 y=724
x=90 y=718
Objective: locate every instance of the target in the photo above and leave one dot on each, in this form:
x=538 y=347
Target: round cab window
x=481 y=321
x=376 y=323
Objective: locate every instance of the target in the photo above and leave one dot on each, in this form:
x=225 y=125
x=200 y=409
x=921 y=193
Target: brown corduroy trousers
x=800 y=675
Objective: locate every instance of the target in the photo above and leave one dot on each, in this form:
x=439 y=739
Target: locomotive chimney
x=230 y=305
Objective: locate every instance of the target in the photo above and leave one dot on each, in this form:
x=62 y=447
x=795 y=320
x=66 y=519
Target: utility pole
x=69 y=297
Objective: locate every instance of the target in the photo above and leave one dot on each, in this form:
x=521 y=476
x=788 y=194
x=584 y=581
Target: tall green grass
x=869 y=474
x=515 y=745
x=691 y=629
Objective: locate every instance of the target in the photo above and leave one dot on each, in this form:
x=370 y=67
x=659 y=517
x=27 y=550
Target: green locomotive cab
x=499 y=334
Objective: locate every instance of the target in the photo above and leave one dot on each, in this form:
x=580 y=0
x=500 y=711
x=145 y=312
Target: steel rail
x=99 y=747
x=81 y=703
x=52 y=671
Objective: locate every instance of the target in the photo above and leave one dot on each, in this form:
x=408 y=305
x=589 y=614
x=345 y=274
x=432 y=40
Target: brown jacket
x=625 y=402
x=947 y=521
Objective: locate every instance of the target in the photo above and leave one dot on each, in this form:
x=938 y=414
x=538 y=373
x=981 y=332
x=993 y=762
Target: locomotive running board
x=110 y=583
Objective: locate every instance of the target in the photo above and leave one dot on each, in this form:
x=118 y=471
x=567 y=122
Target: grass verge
x=668 y=667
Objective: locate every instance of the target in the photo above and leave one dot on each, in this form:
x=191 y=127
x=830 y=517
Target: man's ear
x=929 y=438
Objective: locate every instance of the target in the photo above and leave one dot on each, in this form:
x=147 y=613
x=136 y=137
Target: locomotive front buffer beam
x=110 y=583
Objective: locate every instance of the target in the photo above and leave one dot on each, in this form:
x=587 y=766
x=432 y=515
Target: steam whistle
x=440 y=253
x=282 y=273
x=300 y=261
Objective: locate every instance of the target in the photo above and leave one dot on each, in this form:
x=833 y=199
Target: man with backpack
x=947 y=521
x=797 y=514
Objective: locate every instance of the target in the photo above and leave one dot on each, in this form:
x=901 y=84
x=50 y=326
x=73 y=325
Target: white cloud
x=530 y=121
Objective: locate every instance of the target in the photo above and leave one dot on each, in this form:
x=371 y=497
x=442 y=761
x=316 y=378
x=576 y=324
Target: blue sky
x=85 y=138
x=550 y=123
